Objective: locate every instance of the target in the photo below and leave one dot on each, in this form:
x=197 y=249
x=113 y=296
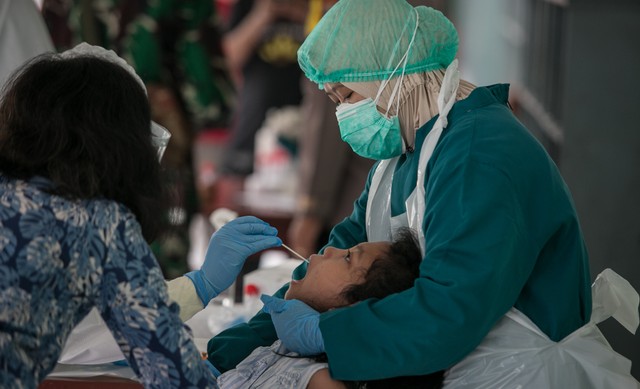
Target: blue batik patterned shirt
x=58 y=259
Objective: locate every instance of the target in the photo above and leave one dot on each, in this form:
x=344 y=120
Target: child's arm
x=322 y=380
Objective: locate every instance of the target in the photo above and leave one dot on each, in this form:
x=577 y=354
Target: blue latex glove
x=228 y=248
x=297 y=324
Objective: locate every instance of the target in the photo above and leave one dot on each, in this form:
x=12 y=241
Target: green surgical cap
x=364 y=40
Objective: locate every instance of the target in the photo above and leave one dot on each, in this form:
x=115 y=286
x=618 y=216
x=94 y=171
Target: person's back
x=260 y=49
x=60 y=258
x=501 y=159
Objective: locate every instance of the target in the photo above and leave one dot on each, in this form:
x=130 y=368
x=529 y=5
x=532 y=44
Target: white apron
x=515 y=353
x=380 y=225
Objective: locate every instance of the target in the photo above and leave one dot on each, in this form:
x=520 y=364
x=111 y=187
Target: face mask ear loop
x=386 y=82
x=404 y=60
x=448 y=91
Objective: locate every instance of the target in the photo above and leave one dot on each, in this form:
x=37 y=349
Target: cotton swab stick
x=294 y=253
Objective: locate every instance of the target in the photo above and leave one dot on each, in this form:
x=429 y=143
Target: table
x=99 y=382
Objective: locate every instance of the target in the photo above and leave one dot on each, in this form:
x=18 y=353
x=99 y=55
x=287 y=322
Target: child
x=335 y=279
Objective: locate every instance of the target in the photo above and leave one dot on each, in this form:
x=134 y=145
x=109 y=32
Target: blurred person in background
x=175 y=48
x=260 y=47
x=101 y=23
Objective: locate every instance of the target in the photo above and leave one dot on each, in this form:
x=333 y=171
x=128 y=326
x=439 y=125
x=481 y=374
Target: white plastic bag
x=517 y=354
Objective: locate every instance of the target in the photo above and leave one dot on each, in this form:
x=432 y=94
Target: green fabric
x=166 y=45
x=364 y=40
x=144 y=54
x=231 y=346
x=501 y=231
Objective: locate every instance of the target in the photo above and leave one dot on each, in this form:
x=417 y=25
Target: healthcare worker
x=498 y=228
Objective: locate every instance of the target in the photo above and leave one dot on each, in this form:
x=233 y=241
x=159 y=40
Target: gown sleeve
x=183 y=292
x=234 y=344
x=135 y=305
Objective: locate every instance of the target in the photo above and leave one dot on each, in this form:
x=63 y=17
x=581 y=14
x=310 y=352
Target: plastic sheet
x=517 y=354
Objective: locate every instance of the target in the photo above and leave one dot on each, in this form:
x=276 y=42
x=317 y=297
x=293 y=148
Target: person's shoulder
x=489 y=123
x=102 y=204
x=491 y=134
x=108 y=215
x=25 y=194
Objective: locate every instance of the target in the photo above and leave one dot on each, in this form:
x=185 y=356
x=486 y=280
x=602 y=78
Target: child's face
x=330 y=273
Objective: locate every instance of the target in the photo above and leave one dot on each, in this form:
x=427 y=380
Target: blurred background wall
x=574 y=68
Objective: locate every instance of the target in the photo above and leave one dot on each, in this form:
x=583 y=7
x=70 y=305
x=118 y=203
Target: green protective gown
x=500 y=230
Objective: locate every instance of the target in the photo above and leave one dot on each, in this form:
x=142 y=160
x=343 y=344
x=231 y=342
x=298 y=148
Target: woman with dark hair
x=79 y=194
x=334 y=279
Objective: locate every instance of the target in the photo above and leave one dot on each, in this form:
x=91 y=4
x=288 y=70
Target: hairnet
x=364 y=40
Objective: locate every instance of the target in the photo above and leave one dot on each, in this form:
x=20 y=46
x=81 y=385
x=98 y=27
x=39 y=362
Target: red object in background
x=251 y=290
x=213 y=136
x=223 y=8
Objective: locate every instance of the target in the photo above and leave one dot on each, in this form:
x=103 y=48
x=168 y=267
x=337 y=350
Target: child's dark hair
x=83 y=123
x=392 y=273
x=389 y=274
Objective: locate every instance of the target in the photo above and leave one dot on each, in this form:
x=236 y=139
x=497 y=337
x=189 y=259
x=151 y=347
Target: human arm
x=232 y=345
x=322 y=380
x=228 y=249
x=134 y=304
x=182 y=291
x=241 y=41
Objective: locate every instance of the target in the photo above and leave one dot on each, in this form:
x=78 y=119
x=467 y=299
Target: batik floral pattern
x=61 y=257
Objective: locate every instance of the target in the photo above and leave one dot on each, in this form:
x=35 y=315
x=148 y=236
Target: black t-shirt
x=271 y=77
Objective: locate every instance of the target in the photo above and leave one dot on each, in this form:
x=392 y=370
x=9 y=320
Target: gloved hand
x=228 y=248
x=297 y=325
